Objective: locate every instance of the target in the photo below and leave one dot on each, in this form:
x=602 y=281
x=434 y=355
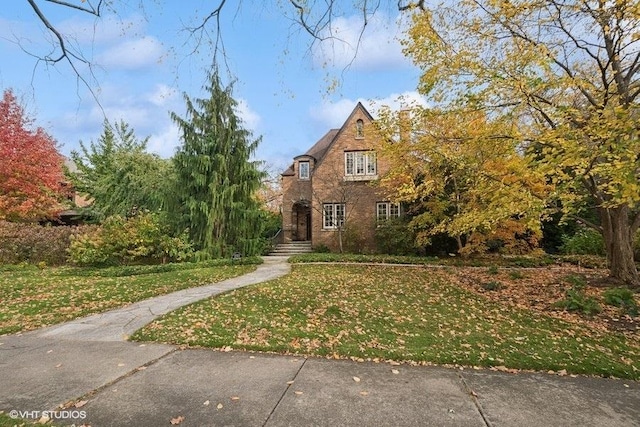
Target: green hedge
x=142 y=239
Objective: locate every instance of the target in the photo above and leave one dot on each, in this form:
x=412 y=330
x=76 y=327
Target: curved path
x=119 y=324
x=87 y=367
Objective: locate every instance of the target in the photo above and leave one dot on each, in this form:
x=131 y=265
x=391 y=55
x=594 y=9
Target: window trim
x=308 y=168
x=360 y=163
x=359 y=129
x=333 y=210
x=391 y=211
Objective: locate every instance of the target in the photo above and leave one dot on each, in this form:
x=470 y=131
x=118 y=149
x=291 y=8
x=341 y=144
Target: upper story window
x=360 y=164
x=359 y=128
x=303 y=170
x=387 y=210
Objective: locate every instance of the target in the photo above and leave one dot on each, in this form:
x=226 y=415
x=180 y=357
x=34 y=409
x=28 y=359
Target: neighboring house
x=71 y=215
x=330 y=196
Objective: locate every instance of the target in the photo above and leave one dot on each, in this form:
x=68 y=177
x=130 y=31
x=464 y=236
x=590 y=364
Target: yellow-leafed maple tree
x=465 y=175
x=566 y=73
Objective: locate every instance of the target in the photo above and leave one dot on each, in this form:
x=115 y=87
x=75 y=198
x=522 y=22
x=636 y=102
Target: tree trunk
x=618 y=239
x=459 y=243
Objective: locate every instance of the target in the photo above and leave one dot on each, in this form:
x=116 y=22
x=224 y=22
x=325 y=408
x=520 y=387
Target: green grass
x=34 y=297
x=393 y=313
x=7 y=421
x=489 y=261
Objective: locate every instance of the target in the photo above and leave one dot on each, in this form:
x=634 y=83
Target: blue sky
x=143 y=64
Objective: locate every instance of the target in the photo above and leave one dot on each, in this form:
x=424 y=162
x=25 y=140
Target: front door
x=302 y=215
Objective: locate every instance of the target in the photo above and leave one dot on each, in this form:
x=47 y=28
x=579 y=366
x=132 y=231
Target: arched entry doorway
x=301 y=217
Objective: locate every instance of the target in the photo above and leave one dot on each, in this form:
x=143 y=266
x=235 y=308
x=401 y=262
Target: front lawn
x=397 y=313
x=33 y=297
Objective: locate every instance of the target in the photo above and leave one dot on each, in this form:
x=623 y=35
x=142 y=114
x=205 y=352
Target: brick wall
x=328 y=185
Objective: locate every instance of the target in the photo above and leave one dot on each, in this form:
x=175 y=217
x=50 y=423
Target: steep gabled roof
x=359 y=106
x=320 y=148
x=317 y=151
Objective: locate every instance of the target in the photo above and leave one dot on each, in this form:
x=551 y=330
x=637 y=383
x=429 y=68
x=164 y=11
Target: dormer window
x=359 y=128
x=303 y=170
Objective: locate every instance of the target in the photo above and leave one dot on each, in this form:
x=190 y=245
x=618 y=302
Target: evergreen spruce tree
x=216 y=179
x=118 y=174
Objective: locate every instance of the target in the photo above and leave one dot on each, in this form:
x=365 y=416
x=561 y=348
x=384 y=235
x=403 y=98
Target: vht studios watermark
x=52 y=415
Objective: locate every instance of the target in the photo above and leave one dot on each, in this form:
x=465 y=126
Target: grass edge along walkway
x=34 y=298
x=384 y=313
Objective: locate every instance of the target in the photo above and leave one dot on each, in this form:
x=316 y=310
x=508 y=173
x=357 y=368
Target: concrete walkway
x=118 y=383
x=118 y=325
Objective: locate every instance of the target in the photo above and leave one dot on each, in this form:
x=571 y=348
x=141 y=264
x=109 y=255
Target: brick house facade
x=330 y=196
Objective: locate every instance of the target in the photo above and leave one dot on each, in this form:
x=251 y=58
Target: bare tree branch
x=93 y=10
x=65 y=54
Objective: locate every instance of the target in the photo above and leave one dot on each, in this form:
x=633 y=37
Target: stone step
x=292 y=248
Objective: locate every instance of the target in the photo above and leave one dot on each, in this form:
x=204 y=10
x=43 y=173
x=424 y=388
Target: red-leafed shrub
x=35 y=244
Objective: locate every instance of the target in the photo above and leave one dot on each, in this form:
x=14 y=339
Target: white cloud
x=250 y=118
x=107 y=30
x=162 y=95
x=378 y=47
x=331 y=115
x=165 y=141
x=397 y=101
x=147 y=112
x=133 y=54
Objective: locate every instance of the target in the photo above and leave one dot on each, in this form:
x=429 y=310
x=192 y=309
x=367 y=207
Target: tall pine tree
x=216 y=179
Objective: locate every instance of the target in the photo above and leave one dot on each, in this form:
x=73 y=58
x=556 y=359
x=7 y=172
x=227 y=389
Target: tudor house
x=330 y=192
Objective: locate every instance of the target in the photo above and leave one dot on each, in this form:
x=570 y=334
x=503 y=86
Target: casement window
x=360 y=164
x=387 y=210
x=359 y=128
x=303 y=170
x=333 y=215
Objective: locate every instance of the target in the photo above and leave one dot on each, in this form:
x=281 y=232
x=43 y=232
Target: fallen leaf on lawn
x=562 y=372
x=177 y=420
x=356 y=379
x=206 y=403
x=81 y=403
x=395 y=371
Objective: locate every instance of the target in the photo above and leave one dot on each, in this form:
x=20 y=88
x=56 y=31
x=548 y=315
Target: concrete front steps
x=291 y=248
